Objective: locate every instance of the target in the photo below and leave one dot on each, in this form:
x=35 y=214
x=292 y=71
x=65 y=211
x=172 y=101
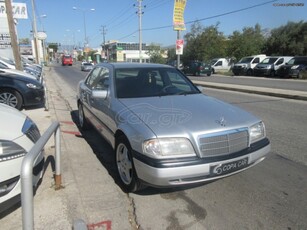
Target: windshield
x=213 y=61
x=246 y=60
x=269 y=61
x=150 y=82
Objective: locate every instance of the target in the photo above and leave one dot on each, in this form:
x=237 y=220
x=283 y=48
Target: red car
x=66 y=60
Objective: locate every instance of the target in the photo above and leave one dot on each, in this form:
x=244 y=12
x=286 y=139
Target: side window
x=102 y=81
x=218 y=63
x=92 y=78
x=256 y=60
x=280 y=61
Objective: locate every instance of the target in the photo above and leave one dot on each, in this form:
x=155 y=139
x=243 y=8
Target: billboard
x=19 y=10
x=178 y=19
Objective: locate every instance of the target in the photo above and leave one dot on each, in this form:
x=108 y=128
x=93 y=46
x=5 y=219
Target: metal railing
x=27 y=174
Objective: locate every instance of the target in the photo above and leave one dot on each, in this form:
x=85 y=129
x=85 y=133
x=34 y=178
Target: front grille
x=33 y=133
x=223 y=143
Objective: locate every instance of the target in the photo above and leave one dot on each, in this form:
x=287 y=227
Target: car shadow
x=101 y=148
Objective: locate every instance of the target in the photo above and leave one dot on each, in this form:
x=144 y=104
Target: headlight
x=33 y=86
x=257 y=132
x=10 y=150
x=295 y=67
x=268 y=67
x=168 y=147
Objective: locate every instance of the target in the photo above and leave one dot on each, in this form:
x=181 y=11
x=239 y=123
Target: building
x=125 y=52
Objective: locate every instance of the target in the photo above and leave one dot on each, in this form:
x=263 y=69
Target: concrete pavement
x=90 y=197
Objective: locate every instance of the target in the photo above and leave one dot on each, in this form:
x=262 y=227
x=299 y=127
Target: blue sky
x=66 y=26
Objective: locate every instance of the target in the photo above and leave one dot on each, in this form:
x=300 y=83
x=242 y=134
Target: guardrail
x=27 y=176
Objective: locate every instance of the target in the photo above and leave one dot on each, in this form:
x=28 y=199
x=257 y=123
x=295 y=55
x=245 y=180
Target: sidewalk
x=283 y=93
x=90 y=193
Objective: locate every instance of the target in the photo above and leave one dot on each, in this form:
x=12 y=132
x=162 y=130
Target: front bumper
x=189 y=172
x=262 y=72
x=239 y=70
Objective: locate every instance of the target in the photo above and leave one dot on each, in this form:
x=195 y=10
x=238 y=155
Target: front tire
x=84 y=125
x=11 y=98
x=125 y=167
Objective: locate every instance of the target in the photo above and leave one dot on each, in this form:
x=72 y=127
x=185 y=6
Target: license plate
x=221 y=169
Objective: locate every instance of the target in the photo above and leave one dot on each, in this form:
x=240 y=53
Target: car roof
x=132 y=65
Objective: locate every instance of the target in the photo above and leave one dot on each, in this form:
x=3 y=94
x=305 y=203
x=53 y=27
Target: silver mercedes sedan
x=164 y=131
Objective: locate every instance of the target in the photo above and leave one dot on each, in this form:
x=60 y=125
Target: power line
x=215 y=16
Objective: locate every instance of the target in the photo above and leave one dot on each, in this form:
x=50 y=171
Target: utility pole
x=14 y=43
x=104 y=31
x=35 y=34
x=140 y=13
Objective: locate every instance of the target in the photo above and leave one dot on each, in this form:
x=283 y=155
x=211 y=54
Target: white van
x=246 y=65
x=270 y=65
x=220 y=64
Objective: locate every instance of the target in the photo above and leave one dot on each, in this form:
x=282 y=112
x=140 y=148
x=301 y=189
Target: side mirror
x=100 y=94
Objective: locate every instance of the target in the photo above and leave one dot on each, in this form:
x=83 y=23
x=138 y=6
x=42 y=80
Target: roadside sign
x=178 y=18
x=179 y=46
x=19 y=10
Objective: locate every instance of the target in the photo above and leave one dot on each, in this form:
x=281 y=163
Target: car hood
x=7 y=130
x=18 y=72
x=175 y=115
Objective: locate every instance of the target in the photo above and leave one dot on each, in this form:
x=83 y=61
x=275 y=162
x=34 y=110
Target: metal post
x=27 y=177
x=58 y=178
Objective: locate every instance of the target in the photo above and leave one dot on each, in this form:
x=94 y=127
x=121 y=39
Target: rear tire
x=125 y=167
x=11 y=97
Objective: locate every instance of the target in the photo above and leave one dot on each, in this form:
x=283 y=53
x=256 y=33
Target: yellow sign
x=178 y=19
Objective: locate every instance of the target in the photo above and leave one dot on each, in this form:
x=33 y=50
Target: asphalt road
x=271 y=195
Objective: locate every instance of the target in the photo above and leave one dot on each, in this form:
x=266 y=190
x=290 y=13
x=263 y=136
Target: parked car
x=10 y=64
x=34 y=71
x=270 y=65
x=221 y=64
x=67 y=60
x=196 y=68
x=18 y=134
x=294 y=67
x=246 y=65
x=86 y=66
x=20 y=91
x=164 y=131
x=18 y=72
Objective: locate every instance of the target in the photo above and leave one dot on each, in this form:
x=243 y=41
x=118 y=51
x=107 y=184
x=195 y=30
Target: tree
x=24 y=41
x=249 y=42
x=203 y=44
x=290 y=39
x=53 y=46
x=155 y=53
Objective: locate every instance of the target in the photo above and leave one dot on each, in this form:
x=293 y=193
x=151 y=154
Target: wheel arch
x=15 y=89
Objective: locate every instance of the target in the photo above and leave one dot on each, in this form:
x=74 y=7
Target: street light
x=84 y=24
